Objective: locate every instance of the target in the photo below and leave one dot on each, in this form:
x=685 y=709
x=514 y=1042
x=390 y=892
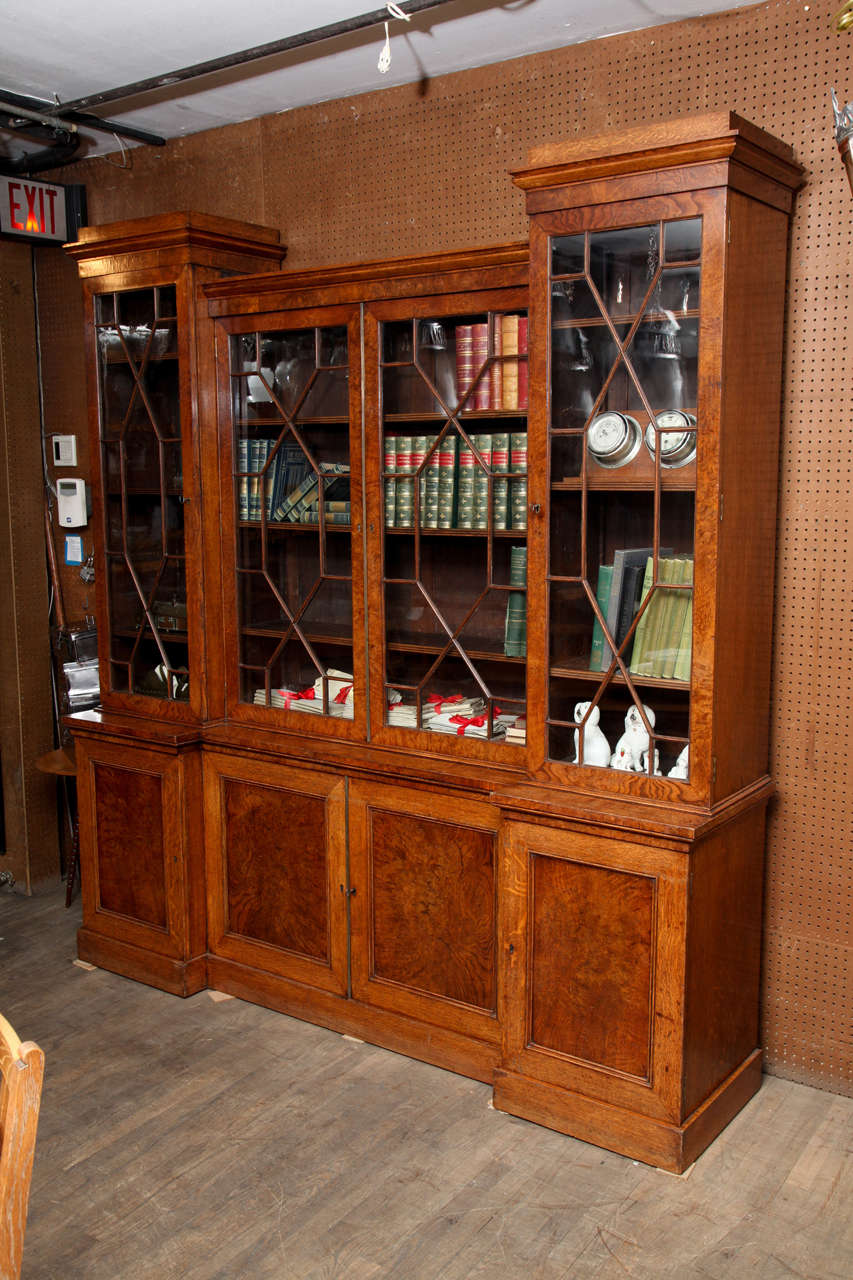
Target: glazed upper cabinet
x=145 y=391
x=374 y=502
x=657 y=296
x=291 y=499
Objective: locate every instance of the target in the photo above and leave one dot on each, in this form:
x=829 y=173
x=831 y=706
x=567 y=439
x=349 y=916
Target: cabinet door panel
x=277 y=869
x=281 y=900
x=129 y=816
x=591 y=963
x=594 y=930
x=424 y=908
x=137 y=810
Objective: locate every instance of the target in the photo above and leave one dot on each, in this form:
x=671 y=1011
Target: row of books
x=453 y=483
x=663 y=638
x=288 y=469
x=504 y=384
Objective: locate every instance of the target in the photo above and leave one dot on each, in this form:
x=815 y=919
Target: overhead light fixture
x=394 y=11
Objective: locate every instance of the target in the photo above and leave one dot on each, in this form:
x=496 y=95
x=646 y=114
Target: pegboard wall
x=403 y=171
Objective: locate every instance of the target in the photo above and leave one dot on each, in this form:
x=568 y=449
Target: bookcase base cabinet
x=367 y=908
x=631 y=983
x=140 y=867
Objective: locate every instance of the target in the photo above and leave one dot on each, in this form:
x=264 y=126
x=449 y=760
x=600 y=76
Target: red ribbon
x=465 y=721
x=438 y=702
x=289 y=695
x=341 y=695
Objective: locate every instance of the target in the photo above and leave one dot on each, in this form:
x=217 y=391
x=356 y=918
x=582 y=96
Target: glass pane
x=454 y=471
x=143 y=479
x=623 y=430
x=290 y=400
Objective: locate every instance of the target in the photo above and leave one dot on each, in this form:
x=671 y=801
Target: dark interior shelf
x=409 y=531
x=595 y=677
x=477 y=655
x=295 y=526
x=464 y=415
x=599 y=322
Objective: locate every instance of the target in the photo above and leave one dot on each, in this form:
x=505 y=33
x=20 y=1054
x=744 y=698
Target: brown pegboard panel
x=61 y=320
x=396 y=172
x=26 y=720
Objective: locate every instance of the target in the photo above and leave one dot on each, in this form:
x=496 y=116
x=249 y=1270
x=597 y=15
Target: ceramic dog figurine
x=596 y=748
x=628 y=752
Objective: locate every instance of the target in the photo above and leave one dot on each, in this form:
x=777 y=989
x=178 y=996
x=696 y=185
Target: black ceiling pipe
x=60 y=112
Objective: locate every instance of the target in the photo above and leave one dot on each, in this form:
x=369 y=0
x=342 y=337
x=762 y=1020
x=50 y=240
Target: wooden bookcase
x=138 y=763
x=379 y=814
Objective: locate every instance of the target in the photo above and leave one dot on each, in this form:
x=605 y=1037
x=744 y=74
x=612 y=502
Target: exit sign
x=40 y=211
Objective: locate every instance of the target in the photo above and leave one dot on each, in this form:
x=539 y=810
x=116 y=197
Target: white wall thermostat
x=71 y=502
x=65 y=451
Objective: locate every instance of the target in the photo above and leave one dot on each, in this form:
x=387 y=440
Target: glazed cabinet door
x=142 y=863
x=448 y=388
x=627 y=417
x=276 y=870
x=424 y=908
x=148 y=494
x=292 y=526
x=594 y=938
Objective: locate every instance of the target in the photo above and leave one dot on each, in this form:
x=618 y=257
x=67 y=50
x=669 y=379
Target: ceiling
x=62 y=53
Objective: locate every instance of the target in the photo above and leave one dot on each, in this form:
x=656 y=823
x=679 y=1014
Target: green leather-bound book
x=602 y=595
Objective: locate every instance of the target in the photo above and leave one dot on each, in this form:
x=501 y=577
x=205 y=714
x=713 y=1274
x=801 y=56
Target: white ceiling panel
x=62 y=53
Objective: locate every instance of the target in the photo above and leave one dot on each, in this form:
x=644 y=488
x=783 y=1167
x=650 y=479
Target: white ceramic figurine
x=596 y=748
x=679 y=769
x=628 y=753
x=644 y=763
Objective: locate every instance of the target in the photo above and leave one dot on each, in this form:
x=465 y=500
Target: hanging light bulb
x=394 y=11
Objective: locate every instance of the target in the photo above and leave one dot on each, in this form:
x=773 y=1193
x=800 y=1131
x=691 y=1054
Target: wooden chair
x=21 y=1072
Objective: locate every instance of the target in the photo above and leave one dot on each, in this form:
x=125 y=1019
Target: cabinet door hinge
x=713 y=768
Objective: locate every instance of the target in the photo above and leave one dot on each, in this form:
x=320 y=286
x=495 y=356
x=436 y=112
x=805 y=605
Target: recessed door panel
x=423 y=870
x=276 y=870
x=594 y=960
x=277 y=881
x=129 y=843
x=592 y=945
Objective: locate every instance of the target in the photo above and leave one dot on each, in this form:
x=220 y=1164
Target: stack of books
x=334 y=512
x=336 y=481
x=404 y=715
x=515 y=629
x=310 y=699
x=516 y=732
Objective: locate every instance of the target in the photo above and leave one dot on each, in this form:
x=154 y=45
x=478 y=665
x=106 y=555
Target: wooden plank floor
x=212 y=1140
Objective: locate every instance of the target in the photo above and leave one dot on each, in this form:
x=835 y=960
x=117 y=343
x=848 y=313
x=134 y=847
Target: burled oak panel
x=433 y=896
x=592 y=942
x=276 y=872
x=129 y=833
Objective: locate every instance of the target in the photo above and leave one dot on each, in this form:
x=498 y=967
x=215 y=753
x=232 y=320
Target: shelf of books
x=453 y=464
x=294 y=490
x=142 y=474
x=623 y=429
